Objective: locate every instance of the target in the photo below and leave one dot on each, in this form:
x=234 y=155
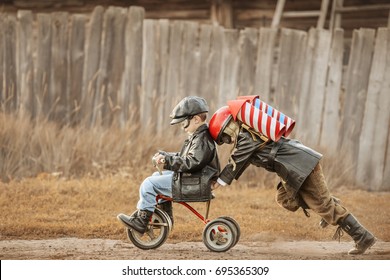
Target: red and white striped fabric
x=269 y=110
x=260 y=121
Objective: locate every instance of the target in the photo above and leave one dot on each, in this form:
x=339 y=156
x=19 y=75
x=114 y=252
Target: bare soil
x=107 y=249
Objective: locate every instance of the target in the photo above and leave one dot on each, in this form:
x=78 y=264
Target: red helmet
x=218 y=123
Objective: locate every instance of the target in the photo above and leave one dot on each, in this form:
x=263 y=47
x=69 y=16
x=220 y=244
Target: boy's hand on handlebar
x=160 y=159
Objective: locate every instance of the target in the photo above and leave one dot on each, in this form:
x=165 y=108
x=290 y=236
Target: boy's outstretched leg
x=138 y=223
x=362 y=237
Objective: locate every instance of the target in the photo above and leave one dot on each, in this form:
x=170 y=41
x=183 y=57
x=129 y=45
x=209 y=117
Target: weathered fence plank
x=59 y=65
x=76 y=66
x=247 y=66
x=151 y=68
x=290 y=72
x=163 y=109
x=112 y=63
x=25 y=63
x=190 y=61
x=2 y=91
x=228 y=88
x=205 y=37
x=386 y=172
x=129 y=99
x=90 y=101
x=375 y=126
x=331 y=115
x=210 y=51
x=315 y=98
x=265 y=62
x=10 y=98
x=173 y=75
x=355 y=95
x=43 y=65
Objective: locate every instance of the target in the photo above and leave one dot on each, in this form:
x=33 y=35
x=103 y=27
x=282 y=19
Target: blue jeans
x=153 y=186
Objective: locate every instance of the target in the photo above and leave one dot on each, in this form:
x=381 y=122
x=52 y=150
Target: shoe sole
x=368 y=247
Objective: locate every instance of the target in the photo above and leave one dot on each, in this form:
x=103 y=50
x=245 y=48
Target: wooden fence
x=113 y=65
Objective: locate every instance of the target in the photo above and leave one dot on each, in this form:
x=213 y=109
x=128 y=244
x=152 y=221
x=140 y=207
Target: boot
x=362 y=237
x=138 y=223
x=167 y=207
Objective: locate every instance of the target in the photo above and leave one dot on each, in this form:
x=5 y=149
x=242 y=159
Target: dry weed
x=50 y=207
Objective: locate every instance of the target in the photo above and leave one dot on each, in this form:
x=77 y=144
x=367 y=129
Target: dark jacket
x=291 y=160
x=195 y=167
x=198 y=151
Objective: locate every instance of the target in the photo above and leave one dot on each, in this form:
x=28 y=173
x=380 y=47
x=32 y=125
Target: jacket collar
x=200 y=129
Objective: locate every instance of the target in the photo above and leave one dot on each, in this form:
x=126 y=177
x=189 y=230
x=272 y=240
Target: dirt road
x=105 y=249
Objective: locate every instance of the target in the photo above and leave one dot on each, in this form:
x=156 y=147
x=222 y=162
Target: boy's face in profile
x=192 y=124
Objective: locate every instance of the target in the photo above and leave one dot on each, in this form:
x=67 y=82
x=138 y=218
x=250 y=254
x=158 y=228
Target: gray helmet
x=187 y=107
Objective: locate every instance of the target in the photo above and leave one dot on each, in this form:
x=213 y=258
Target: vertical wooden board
x=375 y=127
x=229 y=66
x=163 y=110
x=317 y=84
x=265 y=62
x=25 y=62
x=355 y=95
x=205 y=37
x=2 y=51
x=173 y=75
x=289 y=77
x=248 y=41
x=331 y=116
x=129 y=99
x=290 y=104
x=304 y=111
x=214 y=64
x=112 y=62
x=58 y=98
x=76 y=65
x=149 y=73
x=190 y=61
x=43 y=65
x=383 y=126
x=10 y=99
x=90 y=92
x=386 y=171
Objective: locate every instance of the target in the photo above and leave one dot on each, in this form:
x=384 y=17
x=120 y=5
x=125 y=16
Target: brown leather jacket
x=290 y=159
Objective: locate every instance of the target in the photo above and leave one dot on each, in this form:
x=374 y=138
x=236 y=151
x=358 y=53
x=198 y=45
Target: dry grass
x=72 y=182
x=47 y=207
